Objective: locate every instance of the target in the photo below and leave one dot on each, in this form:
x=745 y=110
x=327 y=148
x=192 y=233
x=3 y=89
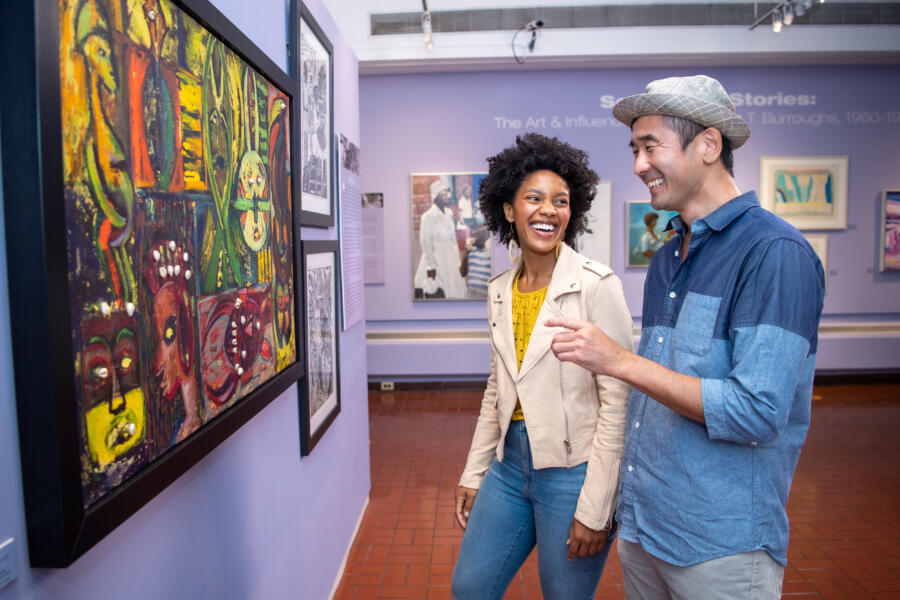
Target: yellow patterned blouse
x=525 y=309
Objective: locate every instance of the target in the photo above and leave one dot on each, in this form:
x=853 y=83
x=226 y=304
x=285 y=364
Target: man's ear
x=711 y=144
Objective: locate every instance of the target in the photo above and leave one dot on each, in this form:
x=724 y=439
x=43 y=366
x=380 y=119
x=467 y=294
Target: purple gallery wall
x=251 y=519
x=450 y=122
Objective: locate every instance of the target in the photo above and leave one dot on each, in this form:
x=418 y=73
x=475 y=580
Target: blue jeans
x=517 y=507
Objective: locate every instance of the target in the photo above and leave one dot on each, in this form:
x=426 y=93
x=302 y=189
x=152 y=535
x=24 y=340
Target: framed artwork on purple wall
x=153 y=238
x=645 y=233
x=312 y=66
x=889 y=255
x=809 y=192
x=451 y=247
x=320 y=398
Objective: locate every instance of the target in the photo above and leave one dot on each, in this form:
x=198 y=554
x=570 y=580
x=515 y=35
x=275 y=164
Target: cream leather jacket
x=572 y=415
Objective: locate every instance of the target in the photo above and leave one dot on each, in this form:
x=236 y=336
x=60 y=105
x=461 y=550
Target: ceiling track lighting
x=533 y=27
x=783 y=13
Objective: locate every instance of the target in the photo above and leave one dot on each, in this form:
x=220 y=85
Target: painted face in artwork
x=99 y=54
x=253 y=201
x=111 y=386
x=233 y=339
x=175 y=346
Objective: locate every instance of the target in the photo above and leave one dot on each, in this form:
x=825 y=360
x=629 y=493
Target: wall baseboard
x=340 y=573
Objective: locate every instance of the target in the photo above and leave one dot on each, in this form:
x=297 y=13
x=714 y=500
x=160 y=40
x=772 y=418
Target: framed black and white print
x=313 y=68
x=155 y=198
x=320 y=399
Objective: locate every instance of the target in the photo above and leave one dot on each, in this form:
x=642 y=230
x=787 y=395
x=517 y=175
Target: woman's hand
x=465 y=497
x=584 y=541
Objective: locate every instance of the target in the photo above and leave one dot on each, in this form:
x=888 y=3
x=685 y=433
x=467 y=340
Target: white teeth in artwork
x=172 y=246
x=185 y=257
x=171 y=270
x=243 y=354
x=187 y=274
x=156 y=255
x=544 y=226
x=240 y=370
x=162 y=271
x=177 y=269
x=129 y=308
x=104 y=308
x=652 y=184
x=243 y=320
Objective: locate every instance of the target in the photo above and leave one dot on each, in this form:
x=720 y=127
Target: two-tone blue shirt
x=741 y=313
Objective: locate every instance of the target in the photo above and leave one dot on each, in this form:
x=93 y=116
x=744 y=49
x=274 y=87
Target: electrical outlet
x=7 y=562
x=387 y=386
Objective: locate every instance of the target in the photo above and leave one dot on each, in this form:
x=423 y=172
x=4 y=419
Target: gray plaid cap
x=698 y=98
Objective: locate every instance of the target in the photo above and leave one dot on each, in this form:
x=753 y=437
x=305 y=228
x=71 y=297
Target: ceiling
x=387 y=36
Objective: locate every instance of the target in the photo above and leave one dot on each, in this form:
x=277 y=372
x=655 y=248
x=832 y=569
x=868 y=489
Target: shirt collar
x=722 y=217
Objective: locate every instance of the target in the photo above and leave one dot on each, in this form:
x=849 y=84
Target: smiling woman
x=536 y=196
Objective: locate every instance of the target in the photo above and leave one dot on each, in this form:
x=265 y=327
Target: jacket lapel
x=501 y=321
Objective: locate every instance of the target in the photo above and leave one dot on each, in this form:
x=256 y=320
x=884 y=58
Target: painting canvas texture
x=451 y=246
x=890 y=256
x=645 y=233
x=178 y=212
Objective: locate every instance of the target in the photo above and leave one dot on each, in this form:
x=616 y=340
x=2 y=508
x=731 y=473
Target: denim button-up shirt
x=741 y=313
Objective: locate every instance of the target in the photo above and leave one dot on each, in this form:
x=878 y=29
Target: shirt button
x=672 y=294
x=676 y=253
x=637 y=424
x=659 y=339
x=630 y=468
x=754 y=444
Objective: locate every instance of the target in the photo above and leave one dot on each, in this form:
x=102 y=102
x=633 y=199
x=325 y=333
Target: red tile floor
x=844 y=506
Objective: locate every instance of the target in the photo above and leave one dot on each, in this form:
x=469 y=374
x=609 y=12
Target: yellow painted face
x=99 y=56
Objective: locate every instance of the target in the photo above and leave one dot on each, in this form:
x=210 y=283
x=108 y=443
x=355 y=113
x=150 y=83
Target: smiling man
x=723 y=379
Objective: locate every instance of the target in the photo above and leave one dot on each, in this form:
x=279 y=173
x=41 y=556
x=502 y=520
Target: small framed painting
x=889 y=255
x=320 y=400
x=809 y=192
x=645 y=234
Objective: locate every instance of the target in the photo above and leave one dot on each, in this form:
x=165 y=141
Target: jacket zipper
x=562 y=390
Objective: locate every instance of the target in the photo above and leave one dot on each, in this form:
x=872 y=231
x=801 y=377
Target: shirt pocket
x=696 y=322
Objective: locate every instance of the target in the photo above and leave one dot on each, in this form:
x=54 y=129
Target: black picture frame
x=316 y=174
x=320 y=397
x=60 y=525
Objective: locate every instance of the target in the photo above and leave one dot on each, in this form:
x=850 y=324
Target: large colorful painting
x=312 y=64
x=452 y=249
x=810 y=192
x=889 y=256
x=171 y=248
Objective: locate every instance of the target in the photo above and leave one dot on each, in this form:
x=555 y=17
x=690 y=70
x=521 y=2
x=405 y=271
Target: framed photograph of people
x=451 y=246
x=320 y=400
x=313 y=67
x=809 y=192
x=153 y=195
x=646 y=232
x=889 y=254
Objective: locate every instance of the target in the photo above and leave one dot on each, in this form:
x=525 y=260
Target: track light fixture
x=783 y=13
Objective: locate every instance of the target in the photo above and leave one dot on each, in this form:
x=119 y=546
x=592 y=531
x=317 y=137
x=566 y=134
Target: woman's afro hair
x=535 y=152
